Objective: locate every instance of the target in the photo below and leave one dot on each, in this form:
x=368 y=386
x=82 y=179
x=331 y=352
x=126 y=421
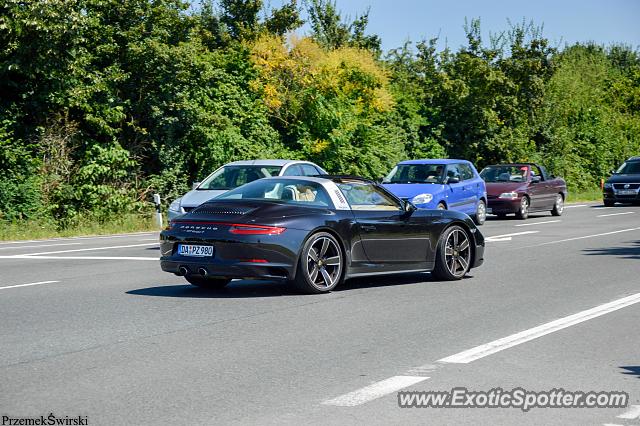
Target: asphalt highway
x=92 y=327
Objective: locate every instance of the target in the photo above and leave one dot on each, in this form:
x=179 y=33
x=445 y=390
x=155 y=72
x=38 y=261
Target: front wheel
x=206 y=282
x=558 y=206
x=481 y=213
x=609 y=203
x=523 y=212
x=453 y=256
x=321 y=264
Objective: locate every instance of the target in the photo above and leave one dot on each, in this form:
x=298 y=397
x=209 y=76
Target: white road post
x=156 y=201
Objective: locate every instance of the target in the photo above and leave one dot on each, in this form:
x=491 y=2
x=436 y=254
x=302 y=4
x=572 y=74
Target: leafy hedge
x=103 y=102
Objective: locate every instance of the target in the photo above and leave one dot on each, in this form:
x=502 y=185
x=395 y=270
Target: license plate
x=627 y=192
x=195 y=250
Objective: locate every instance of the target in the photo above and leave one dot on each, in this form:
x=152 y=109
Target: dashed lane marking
x=632 y=413
x=28 y=284
x=539 y=223
x=614 y=214
x=507 y=237
x=582 y=237
x=374 y=391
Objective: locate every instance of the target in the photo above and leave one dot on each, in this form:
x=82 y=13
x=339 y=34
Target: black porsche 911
x=315 y=232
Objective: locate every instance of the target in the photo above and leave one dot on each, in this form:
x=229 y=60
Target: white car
x=238 y=173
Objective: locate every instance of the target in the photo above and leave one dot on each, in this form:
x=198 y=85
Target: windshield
x=630 y=168
x=505 y=173
x=229 y=177
x=290 y=191
x=416 y=173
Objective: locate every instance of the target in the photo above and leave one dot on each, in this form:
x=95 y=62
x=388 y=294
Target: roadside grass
x=585 y=195
x=33 y=229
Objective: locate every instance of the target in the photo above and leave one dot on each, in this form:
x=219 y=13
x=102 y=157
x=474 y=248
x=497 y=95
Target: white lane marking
x=573 y=206
x=611 y=424
x=40 y=245
x=374 y=391
x=632 y=413
x=91 y=249
x=539 y=331
x=507 y=237
x=539 y=223
x=25 y=256
x=614 y=214
x=97 y=237
x=582 y=238
x=29 y=284
x=603 y=207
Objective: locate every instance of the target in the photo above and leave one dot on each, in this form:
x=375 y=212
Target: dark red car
x=523 y=188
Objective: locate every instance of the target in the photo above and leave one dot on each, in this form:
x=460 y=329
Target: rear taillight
x=239 y=229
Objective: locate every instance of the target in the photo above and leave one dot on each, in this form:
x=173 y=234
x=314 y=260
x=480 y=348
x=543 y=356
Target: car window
x=535 y=171
x=505 y=173
x=290 y=191
x=309 y=170
x=416 y=173
x=365 y=196
x=229 y=177
x=453 y=171
x=629 y=167
x=466 y=172
x=293 y=170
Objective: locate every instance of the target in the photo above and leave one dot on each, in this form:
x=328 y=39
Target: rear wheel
x=609 y=203
x=453 y=256
x=321 y=264
x=523 y=212
x=481 y=213
x=207 y=282
x=558 y=206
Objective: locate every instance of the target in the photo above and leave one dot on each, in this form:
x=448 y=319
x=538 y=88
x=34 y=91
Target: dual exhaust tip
x=184 y=271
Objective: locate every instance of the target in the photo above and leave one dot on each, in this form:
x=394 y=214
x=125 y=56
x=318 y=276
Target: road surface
x=92 y=327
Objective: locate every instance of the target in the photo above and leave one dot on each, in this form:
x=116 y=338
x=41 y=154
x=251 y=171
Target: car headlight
x=422 y=199
x=608 y=185
x=509 y=195
x=175 y=206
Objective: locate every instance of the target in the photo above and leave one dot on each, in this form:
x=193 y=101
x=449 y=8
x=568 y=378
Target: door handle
x=368 y=228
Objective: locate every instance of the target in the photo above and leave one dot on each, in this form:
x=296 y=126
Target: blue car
x=440 y=184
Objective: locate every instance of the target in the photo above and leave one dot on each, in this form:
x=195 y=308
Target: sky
x=564 y=21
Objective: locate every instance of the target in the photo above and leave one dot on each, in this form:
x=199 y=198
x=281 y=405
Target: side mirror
x=613 y=172
x=380 y=179
x=535 y=179
x=452 y=179
x=194 y=185
x=409 y=207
